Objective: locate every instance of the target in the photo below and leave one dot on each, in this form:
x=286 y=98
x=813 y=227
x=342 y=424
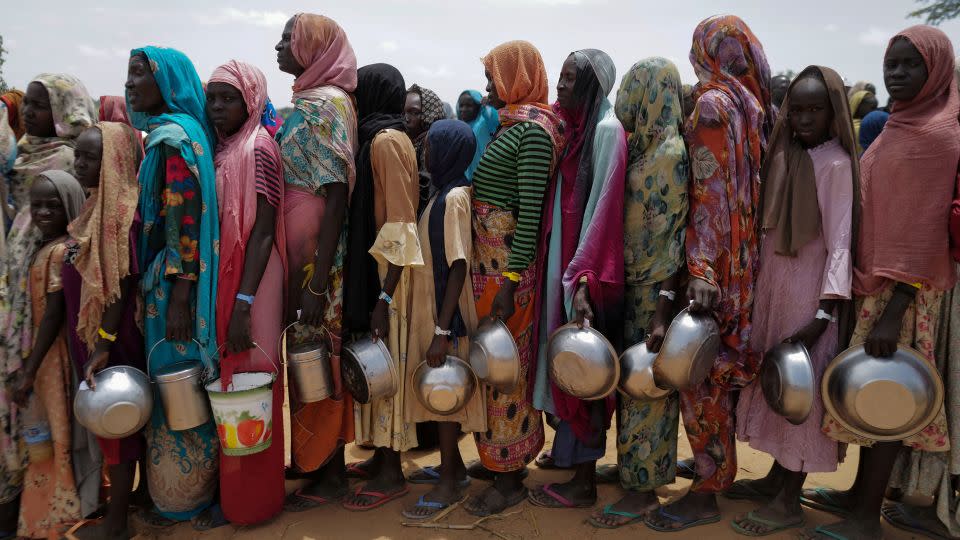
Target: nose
x=129 y=84
x=279 y=46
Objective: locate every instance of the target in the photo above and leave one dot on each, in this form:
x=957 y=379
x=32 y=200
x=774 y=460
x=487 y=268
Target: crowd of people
x=188 y=220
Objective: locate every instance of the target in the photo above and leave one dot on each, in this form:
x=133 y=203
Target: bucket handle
x=265 y=355
x=283 y=339
x=204 y=359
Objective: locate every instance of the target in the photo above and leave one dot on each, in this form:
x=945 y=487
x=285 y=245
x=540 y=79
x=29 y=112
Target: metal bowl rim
x=416 y=387
x=615 y=380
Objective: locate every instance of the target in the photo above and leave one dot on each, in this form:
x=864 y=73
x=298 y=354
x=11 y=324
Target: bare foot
x=579 y=494
x=768 y=519
x=386 y=484
x=639 y=503
x=439 y=494
x=693 y=509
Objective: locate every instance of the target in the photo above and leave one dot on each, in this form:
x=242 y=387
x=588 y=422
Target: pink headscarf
x=114 y=109
x=907 y=179
x=236 y=185
x=322 y=48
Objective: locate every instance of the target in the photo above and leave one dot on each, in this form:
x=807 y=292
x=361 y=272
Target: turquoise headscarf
x=484 y=127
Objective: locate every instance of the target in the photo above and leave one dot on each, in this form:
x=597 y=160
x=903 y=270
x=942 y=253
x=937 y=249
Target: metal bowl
x=446 y=389
x=883 y=399
x=119 y=407
x=494 y=356
x=636 y=375
x=583 y=364
x=689 y=350
x=787 y=381
x=368 y=371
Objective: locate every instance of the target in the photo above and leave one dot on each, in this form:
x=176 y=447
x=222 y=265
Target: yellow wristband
x=109 y=337
x=916 y=285
x=512 y=276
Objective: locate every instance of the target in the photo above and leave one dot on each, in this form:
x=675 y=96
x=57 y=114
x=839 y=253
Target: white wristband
x=437 y=331
x=823 y=315
x=671 y=295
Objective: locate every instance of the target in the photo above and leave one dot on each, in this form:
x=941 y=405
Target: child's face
x=810 y=112
x=46 y=208
x=87 y=157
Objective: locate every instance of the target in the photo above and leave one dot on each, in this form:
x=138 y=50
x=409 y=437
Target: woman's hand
x=239 y=336
x=658 y=330
x=380 y=320
x=809 y=334
x=582 y=310
x=437 y=353
x=23 y=390
x=98 y=360
x=179 y=316
x=313 y=306
x=704 y=295
x=883 y=339
x=503 y=303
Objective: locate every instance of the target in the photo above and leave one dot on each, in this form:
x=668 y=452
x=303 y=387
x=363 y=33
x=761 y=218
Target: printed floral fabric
x=178 y=223
x=317 y=140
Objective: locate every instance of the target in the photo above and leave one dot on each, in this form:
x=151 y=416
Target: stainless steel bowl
x=883 y=399
x=583 y=364
x=494 y=356
x=446 y=389
x=636 y=374
x=787 y=381
x=368 y=371
x=689 y=350
x=119 y=407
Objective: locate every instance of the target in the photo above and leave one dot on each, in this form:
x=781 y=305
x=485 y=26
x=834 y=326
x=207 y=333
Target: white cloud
x=441 y=72
x=91 y=52
x=250 y=16
x=389 y=45
x=831 y=28
x=875 y=36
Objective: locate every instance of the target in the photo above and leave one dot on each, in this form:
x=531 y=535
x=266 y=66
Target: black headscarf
x=450 y=149
x=380 y=95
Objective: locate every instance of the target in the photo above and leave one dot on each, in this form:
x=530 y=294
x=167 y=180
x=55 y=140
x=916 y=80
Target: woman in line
x=50 y=500
x=13 y=99
x=387 y=178
x=871 y=127
x=810 y=184
x=113 y=109
x=421 y=109
x=317 y=145
x=510 y=184
x=726 y=136
x=862 y=103
x=649 y=106
x=582 y=240
x=903 y=263
x=250 y=282
x=100 y=277
x=11 y=464
x=444 y=315
x=483 y=119
x=178 y=262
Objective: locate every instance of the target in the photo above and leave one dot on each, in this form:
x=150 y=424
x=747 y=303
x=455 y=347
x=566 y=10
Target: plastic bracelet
x=670 y=295
x=248 y=298
x=385 y=297
x=512 y=276
x=313 y=292
x=584 y=280
x=437 y=331
x=823 y=315
x=107 y=336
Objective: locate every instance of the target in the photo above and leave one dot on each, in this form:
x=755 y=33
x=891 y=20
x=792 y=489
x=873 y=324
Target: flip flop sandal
x=477 y=471
x=686 y=468
x=298 y=501
x=545 y=461
x=683 y=522
x=609 y=511
x=379 y=499
x=504 y=503
x=216 y=519
x=829 y=534
x=555 y=500
x=68 y=535
x=608 y=474
x=152 y=519
x=773 y=527
x=355 y=471
x=743 y=490
x=905 y=522
x=431 y=475
x=830 y=506
x=436 y=506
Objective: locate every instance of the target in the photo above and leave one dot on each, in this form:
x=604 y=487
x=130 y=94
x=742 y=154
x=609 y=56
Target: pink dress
x=788 y=292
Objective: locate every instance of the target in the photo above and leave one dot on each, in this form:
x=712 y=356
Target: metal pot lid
x=178 y=372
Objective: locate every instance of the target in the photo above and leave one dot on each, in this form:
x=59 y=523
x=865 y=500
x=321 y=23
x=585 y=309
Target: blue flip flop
x=430 y=475
x=609 y=511
x=682 y=521
x=422 y=503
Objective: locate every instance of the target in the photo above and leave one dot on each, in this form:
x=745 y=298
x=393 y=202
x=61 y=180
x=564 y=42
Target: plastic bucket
x=244 y=412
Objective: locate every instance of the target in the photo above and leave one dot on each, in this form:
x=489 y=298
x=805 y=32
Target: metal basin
x=446 y=389
x=119 y=407
x=787 y=381
x=883 y=399
x=368 y=371
x=636 y=374
x=583 y=364
x=494 y=356
x=688 y=352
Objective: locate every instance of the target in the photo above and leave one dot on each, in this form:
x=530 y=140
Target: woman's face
x=143 y=94
x=867 y=106
x=87 y=157
x=810 y=112
x=37 y=114
x=568 y=79
x=46 y=209
x=904 y=70
x=493 y=98
x=225 y=108
x=467 y=108
x=285 y=59
x=413 y=114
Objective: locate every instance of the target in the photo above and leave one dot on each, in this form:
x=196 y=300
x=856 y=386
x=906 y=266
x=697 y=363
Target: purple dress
x=128 y=350
x=788 y=293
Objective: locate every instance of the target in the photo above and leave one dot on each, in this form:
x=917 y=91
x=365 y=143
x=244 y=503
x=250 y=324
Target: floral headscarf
x=12 y=100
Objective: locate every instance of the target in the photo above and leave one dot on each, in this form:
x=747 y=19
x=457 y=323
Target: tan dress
x=458 y=244
x=396 y=194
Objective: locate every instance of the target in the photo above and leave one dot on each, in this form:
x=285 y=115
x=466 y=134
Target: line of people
x=367 y=213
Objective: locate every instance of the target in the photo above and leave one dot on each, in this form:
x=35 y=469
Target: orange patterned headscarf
x=517 y=70
x=12 y=100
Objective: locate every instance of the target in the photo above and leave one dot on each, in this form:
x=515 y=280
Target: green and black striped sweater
x=513 y=174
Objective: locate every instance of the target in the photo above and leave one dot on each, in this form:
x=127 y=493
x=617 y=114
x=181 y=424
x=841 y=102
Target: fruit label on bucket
x=244 y=417
x=242 y=433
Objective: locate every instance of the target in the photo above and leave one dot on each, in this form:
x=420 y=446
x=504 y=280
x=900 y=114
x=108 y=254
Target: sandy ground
x=333 y=522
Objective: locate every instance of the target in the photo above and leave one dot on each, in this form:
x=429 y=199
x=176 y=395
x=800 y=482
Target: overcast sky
x=438 y=43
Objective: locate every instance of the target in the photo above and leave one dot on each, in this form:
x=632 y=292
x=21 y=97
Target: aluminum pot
x=883 y=399
x=446 y=389
x=309 y=368
x=689 y=350
x=583 y=364
x=494 y=356
x=180 y=385
x=787 y=381
x=368 y=370
x=119 y=406
x=636 y=374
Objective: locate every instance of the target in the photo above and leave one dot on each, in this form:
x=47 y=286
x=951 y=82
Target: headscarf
x=12 y=100
x=321 y=47
x=789 y=201
x=856 y=99
x=114 y=109
x=236 y=181
x=452 y=146
x=908 y=178
x=858 y=87
x=649 y=105
x=380 y=96
x=871 y=127
x=103 y=226
x=484 y=127
x=432 y=110
x=448 y=111
x=8 y=145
